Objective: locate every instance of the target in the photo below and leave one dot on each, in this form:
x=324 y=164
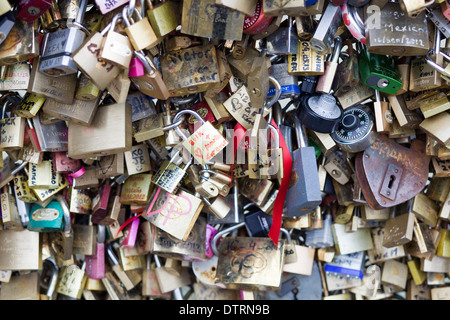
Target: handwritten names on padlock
x=136 y=189
x=205 y=143
x=138 y=159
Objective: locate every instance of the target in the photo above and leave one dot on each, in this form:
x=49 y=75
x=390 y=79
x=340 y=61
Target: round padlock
x=258 y=22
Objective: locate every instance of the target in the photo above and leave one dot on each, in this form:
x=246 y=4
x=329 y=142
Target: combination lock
x=320 y=113
x=355 y=132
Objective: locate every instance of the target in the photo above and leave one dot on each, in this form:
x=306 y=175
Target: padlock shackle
x=219 y=235
x=287 y=234
x=101 y=233
x=300 y=132
x=181 y=113
x=334 y=57
x=111 y=255
x=268 y=104
x=184 y=100
x=356 y=25
x=66 y=212
x=434 y=64
x=54 y=279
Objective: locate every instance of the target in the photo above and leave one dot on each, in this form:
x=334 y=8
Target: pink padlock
x=131 y=234
x=136 y=68
x=95 y=264
x=210 y=233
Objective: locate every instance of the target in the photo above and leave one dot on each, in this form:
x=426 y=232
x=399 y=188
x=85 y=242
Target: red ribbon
x=278 y=206
x=277 y=213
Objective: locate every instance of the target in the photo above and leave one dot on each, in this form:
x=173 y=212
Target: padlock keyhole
x=391 y=182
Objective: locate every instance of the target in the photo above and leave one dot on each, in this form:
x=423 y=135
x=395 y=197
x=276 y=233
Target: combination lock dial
x=354 y=132
x=320 y=113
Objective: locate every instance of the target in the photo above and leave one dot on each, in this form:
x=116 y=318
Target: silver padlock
x=58 y=47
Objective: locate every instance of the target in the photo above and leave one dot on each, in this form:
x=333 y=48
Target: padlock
x=108 y=122
x=31 y=10
x=20 y=45
x=435 y=127
x=288 y=83
x=100 y=202
x=62 y=242
x=139 y=32
x=80 y=201
x=304 y=194
x=129 y=279
x=58 y=46
x=283 y=41
x=86 y=89
x=169 y=175
x=30 y=106
x=320 y=113
x=87 y=58
x=280 y=8
x=378 y=72
x=49 y=278
x=72 y=280
x=355 y=131
x=256 y=22
x=205 y=18
x=326 y=29
x=198 y=75
x=394 y=274
x=22 y=190
x=414 y=8
x=84 y=239
x=10 y=215
x=177 y=213
x=219 y=207
x=423 y=75
x=385 y=40
x=351 y=242
x=325 y=81
x=169 y=282
x=95 y=264
x=22 y=287
x=116 y=48
x=150 y=286
x=61 y=90
x=233 y=254
x=7 y=21
x=130 y=234
x=151 y=83
x=48 y=219
x=163 y=16
x=193 y=249
x=383 y=115
x=305 y=27
x=347 y=73
x=306 y=62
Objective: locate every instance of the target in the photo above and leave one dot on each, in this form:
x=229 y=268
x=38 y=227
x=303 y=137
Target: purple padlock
x=130 y=232
x=95 y=264
x=210 y=233
x=136 y=68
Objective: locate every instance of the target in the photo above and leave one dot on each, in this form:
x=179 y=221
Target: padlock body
x=95 y=264
x=48 y=219
x=163 y=18
x=304 y=196
x=56 y=60
x=379 y=72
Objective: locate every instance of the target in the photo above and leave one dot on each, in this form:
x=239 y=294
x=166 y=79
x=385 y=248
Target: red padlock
x=30 y=10
x=258 y=22
x=202 y=108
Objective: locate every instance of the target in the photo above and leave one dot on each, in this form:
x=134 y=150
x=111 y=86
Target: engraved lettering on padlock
x=45 y=214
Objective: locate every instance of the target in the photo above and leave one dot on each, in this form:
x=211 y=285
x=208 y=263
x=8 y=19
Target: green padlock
x=48 y=219
x=378 y=72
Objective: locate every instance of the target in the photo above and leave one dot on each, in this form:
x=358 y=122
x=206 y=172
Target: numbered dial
x=355 y=130
x=320 y=113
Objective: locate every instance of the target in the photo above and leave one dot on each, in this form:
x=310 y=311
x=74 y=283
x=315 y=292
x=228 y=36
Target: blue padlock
x=48 y=219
